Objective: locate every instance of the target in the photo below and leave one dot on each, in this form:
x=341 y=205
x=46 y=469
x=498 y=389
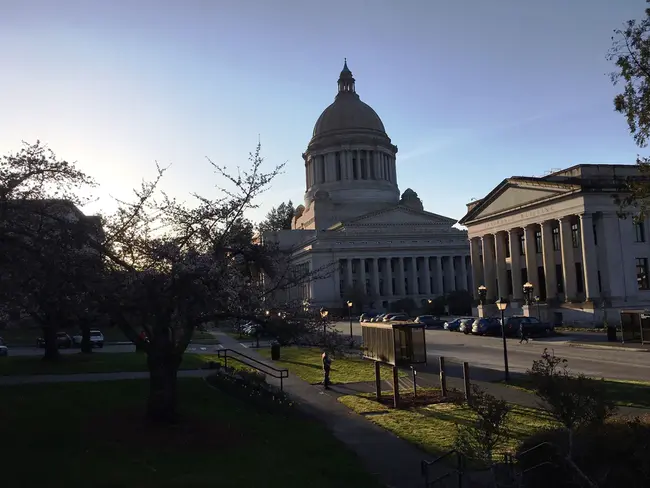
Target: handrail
x=425 y=465
x=283 y=373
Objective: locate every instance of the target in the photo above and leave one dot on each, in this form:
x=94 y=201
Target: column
x=362 y=275
x=615 y=277
x=357 y=153
x=515 y=264
x=375 y=160
x=348 y=285
x=337 y=280
x=568 y=261
x=348 y=164
x=463 y=274
x=548 y=255
x=589 y=258
x=477 y=266
x=400 y=276
x=414 y=288
x=389 y=277
x=439 y=284
x=531 y=257
x=393 y=168
x=450 y=274
x=502 y=271
x=328 y=163
x=375 y=276
x=488 y=267
x=368 y=163
x=427 y=276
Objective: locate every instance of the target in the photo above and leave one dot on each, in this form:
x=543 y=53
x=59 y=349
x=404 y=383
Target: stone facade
x=587 y=263
x=354 y=221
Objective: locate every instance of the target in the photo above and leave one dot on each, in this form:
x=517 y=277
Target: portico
x=562 y=233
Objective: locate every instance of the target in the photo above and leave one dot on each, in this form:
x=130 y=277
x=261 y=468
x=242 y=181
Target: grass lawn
x=96 y=362
x=433 y=427
x=306 y=363
x=93 y=434
x=624 y=393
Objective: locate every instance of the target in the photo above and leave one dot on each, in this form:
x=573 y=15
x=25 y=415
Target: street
x=107 y=349
x=487 y=352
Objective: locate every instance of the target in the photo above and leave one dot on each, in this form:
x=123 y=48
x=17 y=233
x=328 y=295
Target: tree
x=278 y=218
x=575 y=401
x=46 y=267
x=630 y=53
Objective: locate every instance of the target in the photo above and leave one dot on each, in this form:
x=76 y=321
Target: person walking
x=522 y=333
x=327 y=365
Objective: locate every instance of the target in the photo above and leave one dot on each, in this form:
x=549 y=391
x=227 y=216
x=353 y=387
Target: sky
x=470 y=91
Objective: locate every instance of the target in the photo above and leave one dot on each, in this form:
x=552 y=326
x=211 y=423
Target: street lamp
x=482 y=294
x=323 y=315
x=350 y=316
x=537 y=299
x=528 y=291
x=502 y=305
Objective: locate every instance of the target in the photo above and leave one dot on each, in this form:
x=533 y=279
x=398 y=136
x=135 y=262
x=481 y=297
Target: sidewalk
x=394 y=461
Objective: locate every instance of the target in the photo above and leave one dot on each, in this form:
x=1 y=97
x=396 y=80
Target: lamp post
x=502 y=305
x=537 y=299
x=482 y=294
x=349 y=303
x=323 y=315
x=528 y=291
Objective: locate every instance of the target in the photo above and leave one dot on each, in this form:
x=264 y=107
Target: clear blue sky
x=470 y=91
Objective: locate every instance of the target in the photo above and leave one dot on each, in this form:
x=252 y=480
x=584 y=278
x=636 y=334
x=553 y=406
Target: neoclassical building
x=562 y=233
x=383 y=245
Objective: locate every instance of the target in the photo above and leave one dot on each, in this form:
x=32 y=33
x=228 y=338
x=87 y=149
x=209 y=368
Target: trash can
x=275 y=351
x=611 y=333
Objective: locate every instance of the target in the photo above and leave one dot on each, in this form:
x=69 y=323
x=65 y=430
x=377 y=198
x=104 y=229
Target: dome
x=347 y=112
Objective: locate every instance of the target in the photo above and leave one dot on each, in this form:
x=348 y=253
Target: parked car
x=378 y=318
x=367 y=317
x=63 y=340
x=487 y=326
x=4 y=350
x=398 y=317
x=452 y=325
x=532 y=326
x=465 y=326
x=96 y=338
x=429 y=321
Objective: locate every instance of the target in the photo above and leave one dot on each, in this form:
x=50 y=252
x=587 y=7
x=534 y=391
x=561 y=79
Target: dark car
x=63 y=340
x=429 y=321
x=452 y=325
x=487 y=326
x=532 y=326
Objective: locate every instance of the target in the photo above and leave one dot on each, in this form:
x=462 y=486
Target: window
x=392 y=266
x=338 y=166
x=366 y=266
x=642 y=273
x=341 y=287
x=509 y=278
x=406 y=286
x=522 y=245
x=600 y=283
x=538 y=242
x=575 y=239
x=362 y=160
x=559 y=278
x=355 y=175
x=556 y=238
x=639 y=232
x=595 y=236
x=580 y=284
x=354 y=267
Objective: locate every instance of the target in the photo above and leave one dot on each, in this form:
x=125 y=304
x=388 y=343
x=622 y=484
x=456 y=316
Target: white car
x=96 y=338
x=4 y=350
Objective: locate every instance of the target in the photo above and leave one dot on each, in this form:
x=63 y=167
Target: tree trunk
x=86 y=345
x=51 y=344
x=163 y=368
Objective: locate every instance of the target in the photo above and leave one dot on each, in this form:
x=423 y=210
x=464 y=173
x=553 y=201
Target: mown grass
x=94 y=434
x=433 y=427
x=306 y=363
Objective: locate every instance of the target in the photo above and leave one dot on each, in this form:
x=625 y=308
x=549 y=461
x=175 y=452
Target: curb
x=606 y=348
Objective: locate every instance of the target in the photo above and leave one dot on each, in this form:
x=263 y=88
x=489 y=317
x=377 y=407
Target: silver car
x=4 y=350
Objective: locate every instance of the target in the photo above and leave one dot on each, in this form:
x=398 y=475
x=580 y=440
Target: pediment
x=513 y=194
x=396 y=216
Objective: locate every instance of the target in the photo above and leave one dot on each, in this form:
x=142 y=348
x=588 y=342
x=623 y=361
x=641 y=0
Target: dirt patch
x=423 y=398
x=130 y=427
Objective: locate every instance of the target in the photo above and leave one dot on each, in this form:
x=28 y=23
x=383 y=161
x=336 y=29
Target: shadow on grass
x=300 y=363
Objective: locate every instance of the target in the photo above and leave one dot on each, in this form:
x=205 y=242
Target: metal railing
x=277 y=373
x=458 y=471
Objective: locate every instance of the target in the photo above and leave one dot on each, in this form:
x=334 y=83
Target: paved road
x=107 y=349
x=487 y=352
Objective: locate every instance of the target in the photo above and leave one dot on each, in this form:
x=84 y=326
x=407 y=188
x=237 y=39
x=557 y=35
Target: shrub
x=479 y=440
x=612 y=455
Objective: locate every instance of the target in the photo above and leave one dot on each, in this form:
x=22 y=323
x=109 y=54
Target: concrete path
x=394 y=461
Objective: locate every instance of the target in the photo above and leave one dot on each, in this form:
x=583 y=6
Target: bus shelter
x=635 y=326
x=395 y=344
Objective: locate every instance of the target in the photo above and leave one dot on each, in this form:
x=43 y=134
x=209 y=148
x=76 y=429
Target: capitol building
x=379 y=244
